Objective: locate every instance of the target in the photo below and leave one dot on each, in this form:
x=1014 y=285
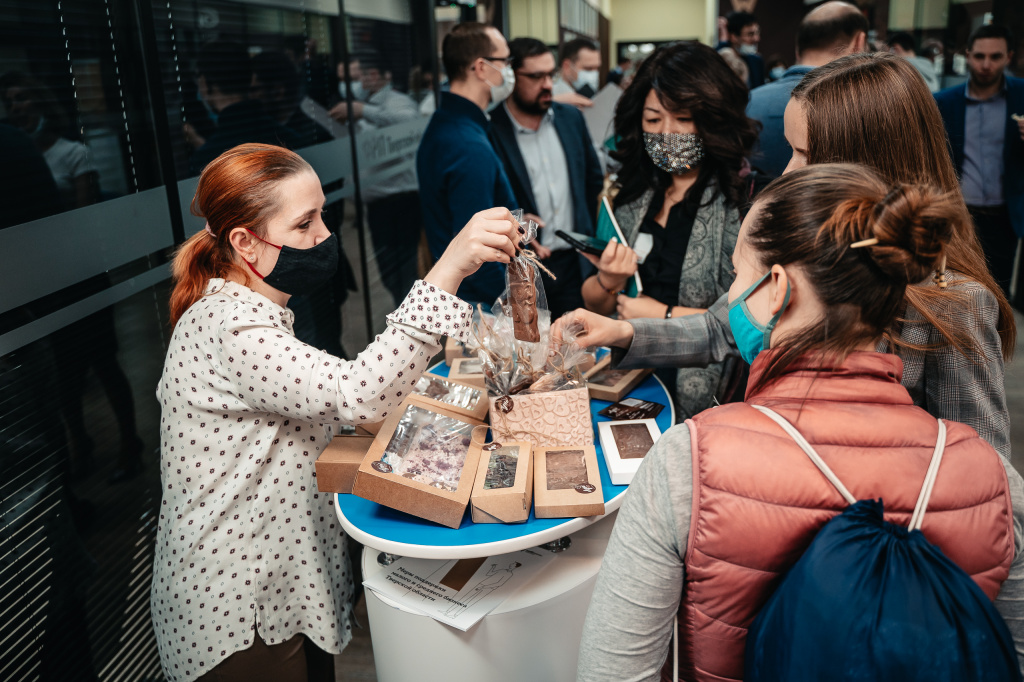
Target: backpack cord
x=917 y=518
x=929 y=480
x=806 y=447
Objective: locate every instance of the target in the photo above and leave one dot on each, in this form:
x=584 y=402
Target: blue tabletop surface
x=384 y=522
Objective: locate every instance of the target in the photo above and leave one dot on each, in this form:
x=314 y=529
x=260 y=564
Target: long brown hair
x=237 y=189
x=810 y=218
x=875 y=109
x=691 y=76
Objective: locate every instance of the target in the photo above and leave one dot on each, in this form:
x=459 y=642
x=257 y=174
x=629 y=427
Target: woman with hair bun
x=251 y=579
x=724 y=505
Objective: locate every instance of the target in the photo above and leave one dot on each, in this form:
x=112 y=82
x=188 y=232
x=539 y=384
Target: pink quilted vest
x=758 y=501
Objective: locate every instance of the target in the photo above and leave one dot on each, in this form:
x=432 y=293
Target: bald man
x=828 y=32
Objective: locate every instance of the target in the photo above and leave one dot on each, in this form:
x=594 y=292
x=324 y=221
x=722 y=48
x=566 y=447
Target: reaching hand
x=489 y=237
x=598 y=330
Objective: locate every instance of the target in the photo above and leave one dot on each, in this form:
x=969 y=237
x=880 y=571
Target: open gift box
x=546 y=419
x=423 y=462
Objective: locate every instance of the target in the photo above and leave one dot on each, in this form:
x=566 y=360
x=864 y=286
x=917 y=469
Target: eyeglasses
x=504 y=60
x=537 y=75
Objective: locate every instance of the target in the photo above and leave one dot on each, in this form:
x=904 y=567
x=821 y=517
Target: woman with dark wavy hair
x=682 y=136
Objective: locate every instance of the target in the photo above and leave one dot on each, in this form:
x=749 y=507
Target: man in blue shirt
x=459 y=172
x=987 y=143
x=828 y=32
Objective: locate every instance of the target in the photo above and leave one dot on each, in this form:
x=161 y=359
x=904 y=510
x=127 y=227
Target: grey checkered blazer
x=942 y=381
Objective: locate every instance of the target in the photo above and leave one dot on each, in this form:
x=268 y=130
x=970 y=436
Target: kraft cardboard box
x=546 y=419
x=423 y=462
x=450 y=394
x=605 y=383
x=503 y=491
x=337 y=465
x=567 y=482
x=454 y=349
x=468 y=371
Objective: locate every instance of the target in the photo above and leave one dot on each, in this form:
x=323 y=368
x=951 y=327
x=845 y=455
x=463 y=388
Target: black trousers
x=998 y=241
x=395 y=226
x=565 y=293
x=294 y=660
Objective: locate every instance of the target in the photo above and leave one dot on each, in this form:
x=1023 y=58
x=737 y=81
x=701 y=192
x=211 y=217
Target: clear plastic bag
x=524 y=289
x=562 y=370
x=429 y=448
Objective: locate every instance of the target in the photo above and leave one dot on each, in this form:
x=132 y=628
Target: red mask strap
x=253 y=269
x=248 y=264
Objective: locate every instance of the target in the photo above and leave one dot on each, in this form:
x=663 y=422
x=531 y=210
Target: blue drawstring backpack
x=870 y=600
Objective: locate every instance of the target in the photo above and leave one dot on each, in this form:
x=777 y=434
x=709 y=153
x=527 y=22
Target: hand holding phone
x=582 y=242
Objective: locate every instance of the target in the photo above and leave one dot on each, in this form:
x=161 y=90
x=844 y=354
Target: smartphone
x=582 y=242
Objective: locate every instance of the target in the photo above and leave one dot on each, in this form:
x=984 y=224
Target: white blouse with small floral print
x=244 y=540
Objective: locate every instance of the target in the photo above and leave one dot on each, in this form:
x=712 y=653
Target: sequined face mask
x=674 y=152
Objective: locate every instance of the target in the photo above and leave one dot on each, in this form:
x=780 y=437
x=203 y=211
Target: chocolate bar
x=523 y=300
x=632 y=408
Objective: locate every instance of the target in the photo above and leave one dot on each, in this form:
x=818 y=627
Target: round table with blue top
x=543 y=618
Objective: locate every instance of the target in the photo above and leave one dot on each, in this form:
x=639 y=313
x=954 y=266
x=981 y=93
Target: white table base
x=533 y=635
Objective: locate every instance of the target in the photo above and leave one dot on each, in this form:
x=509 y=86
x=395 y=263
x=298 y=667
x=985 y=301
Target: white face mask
x=586 y=77
x=500 y=92
x=778 y=72
x=748 y=49
x=358 y=92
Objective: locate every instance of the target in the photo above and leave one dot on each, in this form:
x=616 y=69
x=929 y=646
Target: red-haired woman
x=251 y=579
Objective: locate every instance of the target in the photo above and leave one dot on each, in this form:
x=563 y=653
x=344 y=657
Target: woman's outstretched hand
x=489 y=236
x=598 y=330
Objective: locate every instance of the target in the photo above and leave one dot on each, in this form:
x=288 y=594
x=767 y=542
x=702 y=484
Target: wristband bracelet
x=668 y=312
x=610 y=292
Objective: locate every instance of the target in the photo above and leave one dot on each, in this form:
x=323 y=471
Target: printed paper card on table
x=503 y=491
x=423 y=462
x=567 y=482
x=625 y=444
x=460 y=592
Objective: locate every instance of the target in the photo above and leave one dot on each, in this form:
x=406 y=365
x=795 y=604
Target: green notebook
x=608 y=229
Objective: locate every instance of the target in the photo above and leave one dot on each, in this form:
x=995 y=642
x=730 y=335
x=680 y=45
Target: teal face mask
x=751 y=336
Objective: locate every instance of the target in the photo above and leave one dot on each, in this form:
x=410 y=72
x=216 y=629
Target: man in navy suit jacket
x=987 y=144
x=552 y=167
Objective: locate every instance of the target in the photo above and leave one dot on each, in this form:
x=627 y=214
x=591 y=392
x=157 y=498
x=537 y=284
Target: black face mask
x=300 y=271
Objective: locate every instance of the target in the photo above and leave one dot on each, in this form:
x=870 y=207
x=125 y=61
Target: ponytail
x=237 y=189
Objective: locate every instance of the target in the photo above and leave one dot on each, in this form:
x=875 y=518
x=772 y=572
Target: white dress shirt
x=549 y=177
x=244 y=539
